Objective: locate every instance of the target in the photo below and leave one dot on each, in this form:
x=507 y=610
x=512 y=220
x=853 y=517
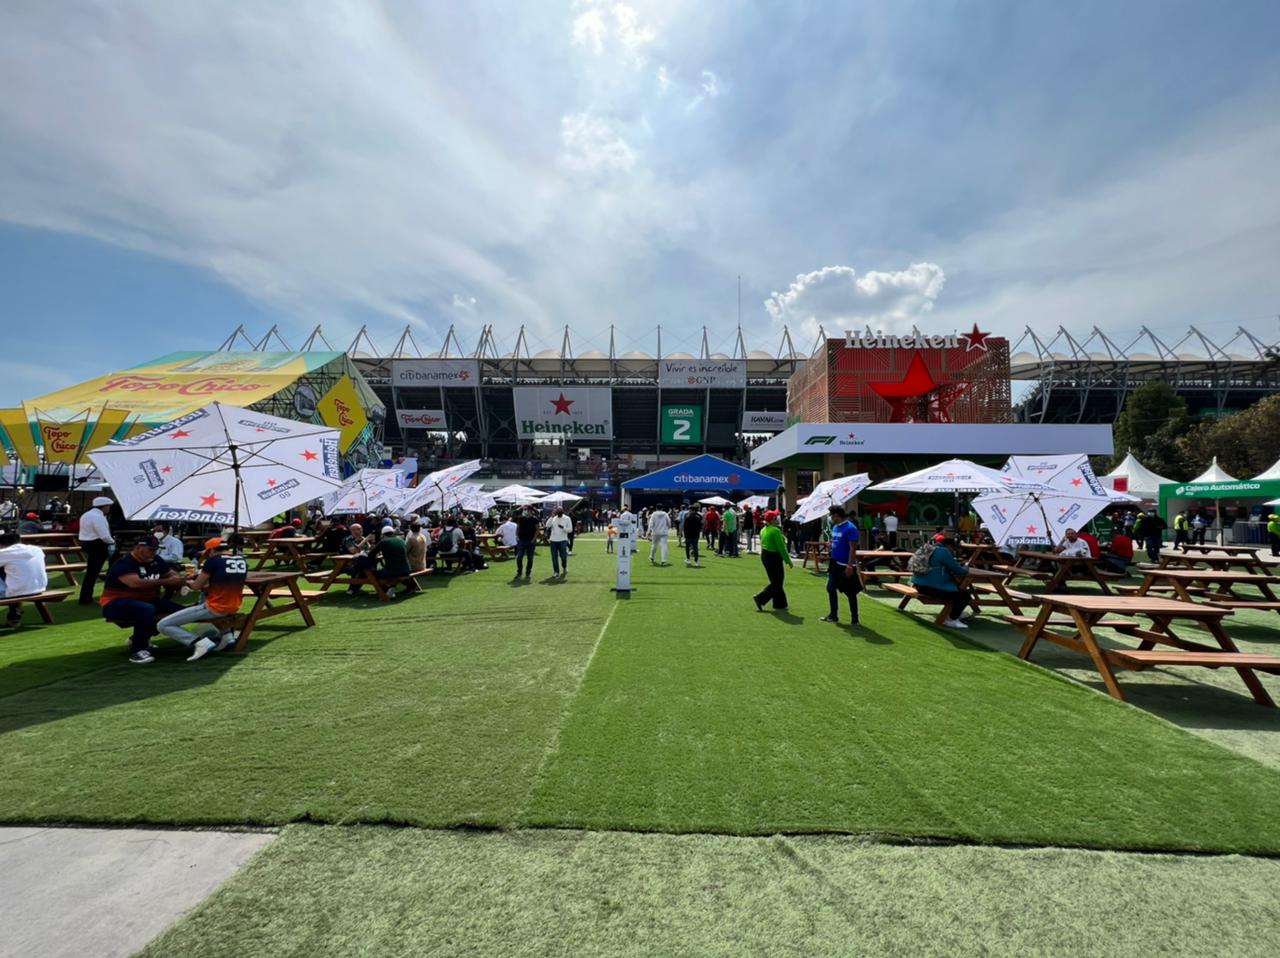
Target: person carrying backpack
x=935 y=571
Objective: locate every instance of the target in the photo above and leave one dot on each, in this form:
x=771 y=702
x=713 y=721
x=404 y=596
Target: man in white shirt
x=507 y=533
x=96 y=541
x=891 y=529
x=659 y=530
x=1074 y=546
x=558 y=528
x=170 y=545
x=24 y=573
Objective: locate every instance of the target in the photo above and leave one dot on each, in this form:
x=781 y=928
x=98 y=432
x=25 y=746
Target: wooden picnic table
x=287 y=549
x=1203 y=581
x=1068 y=567
x=869 y=561
x=270 y=588
x=818 y=553
x=1087 y=612
x=986 y=587
x=50 y=538
x=984 y=555
x=1248 y=561
x=55 y=560
x=1251 y=551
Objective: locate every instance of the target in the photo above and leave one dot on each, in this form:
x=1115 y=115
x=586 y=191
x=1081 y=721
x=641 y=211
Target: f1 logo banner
x=571 y=412
x=682 y=424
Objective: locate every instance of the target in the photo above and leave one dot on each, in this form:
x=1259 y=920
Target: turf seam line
x=553 y=745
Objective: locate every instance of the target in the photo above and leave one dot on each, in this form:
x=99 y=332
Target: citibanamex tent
x=321 y=388
x=703 y=474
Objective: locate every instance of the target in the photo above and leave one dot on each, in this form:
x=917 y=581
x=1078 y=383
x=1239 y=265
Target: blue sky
x=168 y=171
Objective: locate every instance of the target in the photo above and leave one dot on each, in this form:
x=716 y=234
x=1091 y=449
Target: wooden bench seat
x=1021 y=570
x=885 y=574
x=1026 y=621
x=1229 y=603
x=41 y=601
x=1138 y=659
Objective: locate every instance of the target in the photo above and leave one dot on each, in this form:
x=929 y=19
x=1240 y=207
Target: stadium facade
x=504 y=401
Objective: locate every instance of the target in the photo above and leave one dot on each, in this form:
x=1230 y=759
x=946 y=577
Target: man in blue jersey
x=842 y=574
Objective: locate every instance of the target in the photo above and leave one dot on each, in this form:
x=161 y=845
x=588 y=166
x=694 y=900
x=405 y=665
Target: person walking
x=680 y=517
x=891 y=530
x=1181 y=531
x=934 y=571
x=773 y=556
x=842 y=576
x=1198 y=526
x=559 y=528
x=692 y=533
x=1273 y=533
x=749 y=523
x=526 y=542
x=729 y=523
x=97 y=542
x=1152 y=529
x=659 y=531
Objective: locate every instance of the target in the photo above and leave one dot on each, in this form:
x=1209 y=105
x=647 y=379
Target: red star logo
x=210 y=500
x=853 y=435
x=562 y=405
x=259 y=429
x=271 y=482
x=351 y=502
x=309 y=455
x=167 y=469
x=464 y=375
x=1031 y=530
x=975 y=339
x=918 y=397
x=734 y=478
x=1077 y=481
x=179 y=434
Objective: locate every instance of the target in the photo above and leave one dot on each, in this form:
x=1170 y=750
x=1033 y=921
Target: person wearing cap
x=132 y=595
x=287 y=531
x=773 y=555
x=30 y=524
x=96 y=542
x=939 y=581
x=170 y=545
x=842 y=576
x=221 y=579
x=24 y=573
x=1273 y=533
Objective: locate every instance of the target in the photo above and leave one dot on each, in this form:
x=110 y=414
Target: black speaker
x=52 y=482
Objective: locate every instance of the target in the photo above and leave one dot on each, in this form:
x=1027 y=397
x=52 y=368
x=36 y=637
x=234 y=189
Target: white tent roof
x=1215 y=473
x=1142 y=481
x=1272 y=473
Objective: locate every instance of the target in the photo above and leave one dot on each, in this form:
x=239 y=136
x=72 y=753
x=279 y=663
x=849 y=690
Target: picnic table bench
x=987 y=588
x=1216 y=585
x=41 y=601
x=289 y=550
x=1083 y=568
x=1084 y=613
x=818 y=553
x=275 y=593
x=1214 y=560
x=984 y=555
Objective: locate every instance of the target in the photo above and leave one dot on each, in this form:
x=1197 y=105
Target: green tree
x=1246 y=443
x=1153 y=420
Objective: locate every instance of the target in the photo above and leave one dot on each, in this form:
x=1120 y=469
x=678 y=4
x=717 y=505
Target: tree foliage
x=1246 y=443
x=1154 y=419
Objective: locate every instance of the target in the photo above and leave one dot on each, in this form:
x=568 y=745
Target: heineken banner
x=702 y=373
x=422 y=419
x=764 y=421
x=681 y=424
x=407 y=373
x=574 y=412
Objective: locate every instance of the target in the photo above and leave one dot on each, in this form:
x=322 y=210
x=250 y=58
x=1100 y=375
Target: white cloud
x=665 y=81
x=617 y=28
x=590 y=30
x=591 y=145
x=708 y=89
x=464 y=304
x=837 y=298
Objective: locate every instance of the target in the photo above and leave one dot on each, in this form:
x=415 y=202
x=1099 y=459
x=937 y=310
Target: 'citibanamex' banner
x=422 y=419
x=435 y=372
x=571 y=412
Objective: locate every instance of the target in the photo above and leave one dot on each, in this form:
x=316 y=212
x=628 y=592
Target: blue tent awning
x=704 y=473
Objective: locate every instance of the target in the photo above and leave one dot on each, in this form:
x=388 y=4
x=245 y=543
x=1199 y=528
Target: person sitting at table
x=131 y=595
x=288 y=531
x=1073 y=546
x=1118 y=553
x=223 y=571
x=170 y=545
x=30 y=525
x=22 y=568
x=939 y=580
x=453 y=544
x=394 y=555
x=1095 y=549
x=355 y=540
x=417 y=543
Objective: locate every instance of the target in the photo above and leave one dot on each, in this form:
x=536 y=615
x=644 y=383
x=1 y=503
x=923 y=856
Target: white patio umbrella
x=516 y=491
x=716 y=501
x=432 y=487
x=1073 y=497
x=956 y=476
x=364 y=492
x=221 y=464
x=753 y=502
x=832 y=492
x=560 y=497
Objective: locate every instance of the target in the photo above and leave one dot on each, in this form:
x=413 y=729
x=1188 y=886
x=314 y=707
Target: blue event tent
x=704 y=473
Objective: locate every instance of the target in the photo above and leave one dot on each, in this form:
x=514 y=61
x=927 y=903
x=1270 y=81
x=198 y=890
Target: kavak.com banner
x=702 y=373
x=581 y=412
x=422 y=419
x=764 y=421
x=407 y=373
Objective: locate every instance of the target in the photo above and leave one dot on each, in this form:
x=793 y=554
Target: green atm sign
x=681 y=424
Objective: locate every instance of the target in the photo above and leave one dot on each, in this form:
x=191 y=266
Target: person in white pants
x=659 y=529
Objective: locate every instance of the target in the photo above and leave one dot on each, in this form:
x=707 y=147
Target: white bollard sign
x=625 y=523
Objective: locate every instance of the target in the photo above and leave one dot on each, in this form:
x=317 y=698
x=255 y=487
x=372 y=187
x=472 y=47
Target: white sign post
x=625 y=523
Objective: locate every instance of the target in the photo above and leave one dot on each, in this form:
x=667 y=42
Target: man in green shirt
x=1273 y=533
x=394 y=553
x=729 y=533
x=773 y=553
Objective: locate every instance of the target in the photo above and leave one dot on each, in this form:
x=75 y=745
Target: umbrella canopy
x=560 y=497
x=221 y=464
x=716 y=501
x=432 y=487
x=467 y=496
x=515 y=491
x=755 y=502
x=833 y=492
x=364 y=492
x=957 y=476
x=1072 y=498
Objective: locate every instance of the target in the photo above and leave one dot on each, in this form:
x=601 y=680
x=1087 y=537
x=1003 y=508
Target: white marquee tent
x=1142 y=481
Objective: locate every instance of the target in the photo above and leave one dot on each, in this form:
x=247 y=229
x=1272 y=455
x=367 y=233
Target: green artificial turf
x=366 y=892
x=681 y=709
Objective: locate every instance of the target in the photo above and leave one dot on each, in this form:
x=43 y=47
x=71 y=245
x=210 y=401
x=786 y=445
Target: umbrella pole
x=235 y=509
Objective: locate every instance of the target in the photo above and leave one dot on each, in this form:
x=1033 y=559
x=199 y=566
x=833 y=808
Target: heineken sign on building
x=568 y=412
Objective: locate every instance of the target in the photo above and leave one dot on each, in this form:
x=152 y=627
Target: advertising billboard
x=435 y=372
x=702 y=373
x=681 y=425
x=422 y=419
x=571 y=412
